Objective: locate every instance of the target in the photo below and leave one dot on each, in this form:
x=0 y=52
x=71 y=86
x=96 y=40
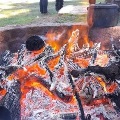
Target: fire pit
x=57 y=81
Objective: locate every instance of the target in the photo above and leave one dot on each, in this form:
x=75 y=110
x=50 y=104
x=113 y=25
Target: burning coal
x=39 y=82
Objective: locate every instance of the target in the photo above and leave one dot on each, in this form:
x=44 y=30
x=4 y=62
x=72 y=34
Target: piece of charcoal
x=62 y=96
x=111 y=72
x=77 y=73
x=10 y=69
x=116 y=99
x=76 y=95
x=34 y=43
x=68 y=116
x=4 y=113
x=6 y=58
x=116 y=51
x=88 y=117
x=11 y=101
x=6 y=71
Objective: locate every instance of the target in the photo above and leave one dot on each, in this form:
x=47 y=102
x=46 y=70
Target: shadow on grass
x=20 y=17
x=33 y=14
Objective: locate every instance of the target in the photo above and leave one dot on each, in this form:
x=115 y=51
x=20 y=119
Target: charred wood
x=6 y=71
x=6 y=58
x=111 y=72
x=115 y=98
x=76 y=94
x=11 y=101
x=61 y=95
x=88 y=117
x=4 y=113
x=68 y=116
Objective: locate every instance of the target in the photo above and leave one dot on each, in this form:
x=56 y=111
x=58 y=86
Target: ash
x=39 y=106
x=106 y=110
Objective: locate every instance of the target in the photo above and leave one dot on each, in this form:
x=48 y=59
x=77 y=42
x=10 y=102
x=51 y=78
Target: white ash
x=107 y=110
x=38 y=105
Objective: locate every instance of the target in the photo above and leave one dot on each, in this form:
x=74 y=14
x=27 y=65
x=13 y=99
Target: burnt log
x=6 y=71
x=4 y=113
x=111 y=72
x=10 y=69
x=76 y=94
x=115 y=98
x=11 y=101
x=6 y=58
x=64 y=97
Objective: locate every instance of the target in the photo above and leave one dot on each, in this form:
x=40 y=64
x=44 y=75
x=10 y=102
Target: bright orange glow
x=102 y=83
x=30 y=82
x=2 y=92
x=102 y=60
x=54 y=42
x=82 y=62
x=111 y=88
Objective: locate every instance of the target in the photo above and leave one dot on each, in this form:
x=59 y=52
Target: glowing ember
x=45 y=83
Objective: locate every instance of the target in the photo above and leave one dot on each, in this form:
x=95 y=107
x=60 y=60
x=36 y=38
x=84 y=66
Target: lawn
x=22 y=13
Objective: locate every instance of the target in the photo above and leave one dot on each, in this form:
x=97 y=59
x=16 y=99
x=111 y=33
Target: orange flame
x=29 y=82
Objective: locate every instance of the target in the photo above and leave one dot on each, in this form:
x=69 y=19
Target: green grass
x=25 y=13
x=71 y=18
x=28 y=13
